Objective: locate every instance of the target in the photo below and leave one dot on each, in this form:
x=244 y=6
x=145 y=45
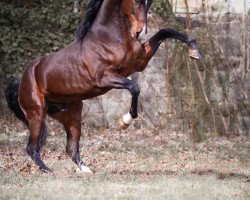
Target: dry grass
x=158 y=187
x=131 y=164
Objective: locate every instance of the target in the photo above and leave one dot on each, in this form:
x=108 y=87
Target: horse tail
x=11 y=94
x=89 y=18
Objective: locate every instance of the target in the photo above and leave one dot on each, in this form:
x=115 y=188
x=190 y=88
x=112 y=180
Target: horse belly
x=59 y=85
x=86 y=94
x=69 y=91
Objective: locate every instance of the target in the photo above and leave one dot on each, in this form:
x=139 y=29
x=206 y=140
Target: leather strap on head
x=143 y=10
x=142 y=13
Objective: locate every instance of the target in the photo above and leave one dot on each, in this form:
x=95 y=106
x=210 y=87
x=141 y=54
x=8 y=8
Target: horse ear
x=149 y=3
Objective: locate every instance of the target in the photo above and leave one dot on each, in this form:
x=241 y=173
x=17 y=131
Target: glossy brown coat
x=109 y=52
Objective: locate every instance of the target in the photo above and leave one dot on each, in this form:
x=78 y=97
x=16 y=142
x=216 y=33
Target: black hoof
x=45 y=169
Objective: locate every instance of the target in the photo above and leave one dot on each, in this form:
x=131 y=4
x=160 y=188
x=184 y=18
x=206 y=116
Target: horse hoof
x=125 y=121
x=45 y=170
x=194 y=54
x=122 y=124
x=86 y=170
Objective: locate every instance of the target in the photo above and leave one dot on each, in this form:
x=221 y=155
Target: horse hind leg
x=33 y=107
x=70 y=117
x=37 y=139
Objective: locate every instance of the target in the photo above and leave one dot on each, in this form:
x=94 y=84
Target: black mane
x=89 y=18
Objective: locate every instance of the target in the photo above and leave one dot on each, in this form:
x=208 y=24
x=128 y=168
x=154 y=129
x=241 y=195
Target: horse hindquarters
x=11 y=93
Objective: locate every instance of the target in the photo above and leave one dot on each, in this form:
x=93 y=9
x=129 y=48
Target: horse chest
x=126 y=56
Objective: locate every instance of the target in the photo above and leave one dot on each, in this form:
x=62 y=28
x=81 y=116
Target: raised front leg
x=118 y=82
x=134 y=90
x=154 y=42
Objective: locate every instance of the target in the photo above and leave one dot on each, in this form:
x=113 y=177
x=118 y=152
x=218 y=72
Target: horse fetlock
x=34 y=153
x=193 y=51
x=75 y=156
x=33 y=150
x=133 y=114
x=191 y=40
x=69 y=151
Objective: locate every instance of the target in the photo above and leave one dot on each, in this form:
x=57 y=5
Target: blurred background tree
x=30 y=29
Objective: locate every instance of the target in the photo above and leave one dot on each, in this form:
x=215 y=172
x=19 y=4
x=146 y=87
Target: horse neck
x=111 y=17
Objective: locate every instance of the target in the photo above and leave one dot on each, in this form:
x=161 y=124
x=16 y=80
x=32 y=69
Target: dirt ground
x=130 y=164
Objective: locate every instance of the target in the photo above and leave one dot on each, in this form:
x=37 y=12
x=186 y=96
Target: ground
x=131 y=164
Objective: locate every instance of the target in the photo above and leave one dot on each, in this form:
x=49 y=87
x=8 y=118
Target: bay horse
x=104 y=53
x=137 y=22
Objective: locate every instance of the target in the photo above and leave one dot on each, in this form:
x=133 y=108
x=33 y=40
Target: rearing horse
x=101 y=58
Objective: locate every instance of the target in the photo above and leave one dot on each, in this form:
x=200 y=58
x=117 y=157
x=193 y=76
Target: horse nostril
x=138 y=34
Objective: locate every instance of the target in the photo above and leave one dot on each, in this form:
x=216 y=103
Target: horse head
x=143 y=12
x=136 y=11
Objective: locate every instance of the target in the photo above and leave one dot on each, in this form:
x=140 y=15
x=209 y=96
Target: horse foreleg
x=134 y=90
x=110 y=80
x=70 y=117
x=154 y=42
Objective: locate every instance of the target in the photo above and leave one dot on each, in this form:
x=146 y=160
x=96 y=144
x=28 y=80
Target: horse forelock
x=93 y=8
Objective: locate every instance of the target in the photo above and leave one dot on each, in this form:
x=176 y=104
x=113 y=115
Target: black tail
x=11 y=95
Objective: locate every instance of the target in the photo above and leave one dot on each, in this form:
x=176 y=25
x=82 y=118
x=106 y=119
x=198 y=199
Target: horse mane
x=91 y=12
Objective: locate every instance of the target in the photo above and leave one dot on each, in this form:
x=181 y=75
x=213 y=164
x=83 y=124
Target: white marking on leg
x=127 y=118
x=85 y=169
x=143 y=31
